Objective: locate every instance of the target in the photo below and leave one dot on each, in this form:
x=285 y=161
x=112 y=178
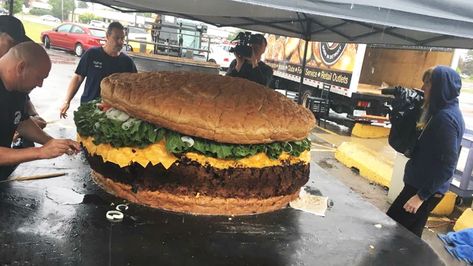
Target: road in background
x=466 y=103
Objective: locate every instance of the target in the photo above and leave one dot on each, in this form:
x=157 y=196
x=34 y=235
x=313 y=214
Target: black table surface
x=61 y=221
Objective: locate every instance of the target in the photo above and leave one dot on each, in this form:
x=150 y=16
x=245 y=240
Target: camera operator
x=428 y=173
x=251 y=67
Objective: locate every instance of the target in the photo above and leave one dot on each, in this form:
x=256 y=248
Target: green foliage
x=87 y=17
x=93 y=122
x=231 y=36
x=62 y=11
x=466 y=63
x=82 y=4
x=40 y=11
x=17 y=6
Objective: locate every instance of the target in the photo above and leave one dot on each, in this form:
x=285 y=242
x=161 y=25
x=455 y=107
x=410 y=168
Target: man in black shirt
x=252 y=68
x=98 y=63
x=23 y=68
x=12 y=33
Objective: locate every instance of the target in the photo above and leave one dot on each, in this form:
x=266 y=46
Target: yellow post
x=446 y=205
x=369 y=131
x=465 y=220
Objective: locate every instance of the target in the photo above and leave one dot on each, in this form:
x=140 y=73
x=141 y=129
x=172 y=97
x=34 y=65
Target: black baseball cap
x=13 y=27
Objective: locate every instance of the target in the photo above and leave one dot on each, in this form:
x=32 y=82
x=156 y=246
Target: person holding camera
x=429 y=171
x=249 y=65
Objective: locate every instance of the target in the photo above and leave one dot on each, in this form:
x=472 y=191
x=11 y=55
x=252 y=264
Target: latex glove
x=58 y=147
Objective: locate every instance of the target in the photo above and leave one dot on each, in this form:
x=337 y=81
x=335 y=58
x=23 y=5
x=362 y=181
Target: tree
x=231 y=36
x=62 y=11
x=17 y=5
x=467 y=63
x=82 y=4
x=87 y=17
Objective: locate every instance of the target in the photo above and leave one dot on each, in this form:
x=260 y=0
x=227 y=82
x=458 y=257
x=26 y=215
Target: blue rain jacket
x=435 y=156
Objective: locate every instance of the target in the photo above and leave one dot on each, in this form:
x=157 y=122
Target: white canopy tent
x=431 y=23
x=437 y=23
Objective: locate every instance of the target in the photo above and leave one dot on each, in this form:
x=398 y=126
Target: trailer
x=154 y=62
x=169 y=35
x=348 y=76
x=175 y=45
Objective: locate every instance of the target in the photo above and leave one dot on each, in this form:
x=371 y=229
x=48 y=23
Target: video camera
x=404 y=98
x=243 y=47
x=405 y=112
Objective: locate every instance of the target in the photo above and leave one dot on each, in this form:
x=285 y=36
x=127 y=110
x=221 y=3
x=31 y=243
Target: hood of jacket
x=446 y=85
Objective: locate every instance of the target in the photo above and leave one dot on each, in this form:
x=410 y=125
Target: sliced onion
x=114 y=216
x=289 y=146
x=121 y=207
x=122 y=116
x=111 y=113
x=115 y=114
x=129 y=123
x=188 y=141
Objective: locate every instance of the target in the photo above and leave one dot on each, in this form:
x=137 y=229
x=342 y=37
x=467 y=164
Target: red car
x=73 y=37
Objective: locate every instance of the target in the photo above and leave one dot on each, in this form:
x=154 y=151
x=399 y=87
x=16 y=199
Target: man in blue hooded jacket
x=428 y=173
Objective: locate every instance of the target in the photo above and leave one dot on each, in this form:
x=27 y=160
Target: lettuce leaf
x=92 y=122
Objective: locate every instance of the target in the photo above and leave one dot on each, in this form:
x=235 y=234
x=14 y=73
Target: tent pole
x=304 y=61
x=10 y=8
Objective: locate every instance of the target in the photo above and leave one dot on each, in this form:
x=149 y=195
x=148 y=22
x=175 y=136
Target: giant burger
x=196 y=143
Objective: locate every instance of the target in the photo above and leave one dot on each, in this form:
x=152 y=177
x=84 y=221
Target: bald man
x=23 y=68
x=12 y=33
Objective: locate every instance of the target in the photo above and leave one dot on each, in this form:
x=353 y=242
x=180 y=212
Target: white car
x=221 y=55
x=50 y=18
x=98 y=24
x=139 y=34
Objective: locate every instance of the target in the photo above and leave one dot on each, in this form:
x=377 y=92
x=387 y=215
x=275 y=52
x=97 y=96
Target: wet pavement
x=61 y=221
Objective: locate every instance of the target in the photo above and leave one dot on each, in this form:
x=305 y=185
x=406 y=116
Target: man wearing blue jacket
x=428 y=173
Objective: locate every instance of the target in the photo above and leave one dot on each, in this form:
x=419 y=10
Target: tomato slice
x=104 y=106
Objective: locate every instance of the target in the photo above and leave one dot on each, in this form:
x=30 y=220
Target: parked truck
x=352 y=75
x=173 y=44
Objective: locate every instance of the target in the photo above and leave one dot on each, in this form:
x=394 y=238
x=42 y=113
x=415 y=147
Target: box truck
x=350 y=76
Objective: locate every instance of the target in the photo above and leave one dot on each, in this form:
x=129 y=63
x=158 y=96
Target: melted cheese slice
x=156 y=153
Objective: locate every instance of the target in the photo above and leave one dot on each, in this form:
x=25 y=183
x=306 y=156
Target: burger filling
x=121 y=139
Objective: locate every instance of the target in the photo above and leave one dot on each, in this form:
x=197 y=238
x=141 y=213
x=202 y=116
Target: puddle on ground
x=64 y=196
x=312 y=191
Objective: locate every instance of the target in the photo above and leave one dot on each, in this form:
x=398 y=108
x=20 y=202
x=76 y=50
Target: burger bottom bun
x=199 y=205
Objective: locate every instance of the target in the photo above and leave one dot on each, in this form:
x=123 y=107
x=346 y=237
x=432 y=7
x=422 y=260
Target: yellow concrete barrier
x=370 y=164
x=465 y=221
x=446 y=205
x=369 y=131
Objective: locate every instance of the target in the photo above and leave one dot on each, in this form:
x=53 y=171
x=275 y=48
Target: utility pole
x=10 y=8
x=62 y=10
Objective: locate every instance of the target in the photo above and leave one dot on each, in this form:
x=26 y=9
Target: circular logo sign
x=331 y=52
